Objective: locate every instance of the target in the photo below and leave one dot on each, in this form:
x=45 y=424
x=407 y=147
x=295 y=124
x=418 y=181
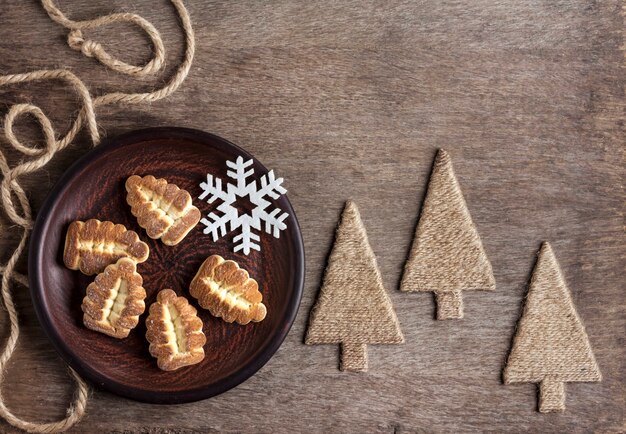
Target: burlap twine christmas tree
x=447 y=255
x=353 y=308
x=551 y=346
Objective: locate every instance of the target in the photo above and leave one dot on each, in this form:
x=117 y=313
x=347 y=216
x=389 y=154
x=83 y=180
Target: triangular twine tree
x=447 y=255
x=353 y=308
x=551 y=346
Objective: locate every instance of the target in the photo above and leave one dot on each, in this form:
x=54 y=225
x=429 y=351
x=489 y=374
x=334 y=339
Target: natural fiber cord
x=353 y=308
x=447 y=255
x=21 y=213
x=551 y=346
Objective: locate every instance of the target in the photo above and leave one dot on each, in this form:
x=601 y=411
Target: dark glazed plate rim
x=95 y=377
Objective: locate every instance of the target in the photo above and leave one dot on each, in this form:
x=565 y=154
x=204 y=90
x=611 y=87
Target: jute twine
x=551 y=346
x=20 y=213
x=447 y=255
x=353 y=308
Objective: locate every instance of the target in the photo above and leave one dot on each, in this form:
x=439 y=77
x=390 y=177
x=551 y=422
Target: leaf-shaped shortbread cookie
x=174 y=332
x=162 y=209
x=227 y=291
x=115 y=299
x=92 y=245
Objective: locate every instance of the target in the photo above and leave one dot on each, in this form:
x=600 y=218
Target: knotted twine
x=20 y=213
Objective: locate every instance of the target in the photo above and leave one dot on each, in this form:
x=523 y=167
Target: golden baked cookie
x=115 y=299
x=227 y=291
x=162 y=209
x=92 y=245
x=174 y=332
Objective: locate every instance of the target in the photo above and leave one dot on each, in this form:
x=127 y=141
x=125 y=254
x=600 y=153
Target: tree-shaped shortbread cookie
x=115 y=300
x=92 y=245
x=551 y=346
x=447 y=255
x=174 y=332
x=353 y=308
x=227 y=291
x=163 y=209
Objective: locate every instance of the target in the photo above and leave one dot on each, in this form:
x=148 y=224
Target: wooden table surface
x=351 y=99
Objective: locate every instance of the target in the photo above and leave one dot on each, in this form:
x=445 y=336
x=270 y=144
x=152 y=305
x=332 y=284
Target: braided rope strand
x=20 y=212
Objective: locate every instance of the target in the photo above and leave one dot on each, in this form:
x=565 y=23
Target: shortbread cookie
x=227 y=291
x=162 y=209
x=115 y=299
x=92 y=245
x=174 y=332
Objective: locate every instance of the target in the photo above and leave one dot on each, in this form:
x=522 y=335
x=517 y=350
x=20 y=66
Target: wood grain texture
x=351 y=99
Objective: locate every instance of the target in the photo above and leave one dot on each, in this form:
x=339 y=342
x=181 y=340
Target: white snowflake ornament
x=243 y=191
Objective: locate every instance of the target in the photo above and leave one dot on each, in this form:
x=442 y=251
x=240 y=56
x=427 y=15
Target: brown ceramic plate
x=94 y=188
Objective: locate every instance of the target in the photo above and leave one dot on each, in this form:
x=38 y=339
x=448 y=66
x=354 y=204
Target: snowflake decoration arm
x=270 y=187
x=274 y=223
x=211 y=190
x=240 y=174
x=247 y=241
x=217 y=225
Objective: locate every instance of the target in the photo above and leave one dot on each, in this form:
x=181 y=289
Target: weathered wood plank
x=351 y=99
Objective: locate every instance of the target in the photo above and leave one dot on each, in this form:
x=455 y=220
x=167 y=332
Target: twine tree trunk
x=353 y=308
x=447 y=255
x=449 y=304
x=353 y=357
x=551 y=395
x=551 y=346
